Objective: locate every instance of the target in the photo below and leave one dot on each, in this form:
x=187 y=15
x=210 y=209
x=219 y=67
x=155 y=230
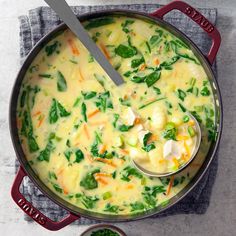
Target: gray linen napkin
x=39 y=22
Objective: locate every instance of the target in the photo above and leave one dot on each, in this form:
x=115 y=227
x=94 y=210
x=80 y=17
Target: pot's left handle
x=34 y=213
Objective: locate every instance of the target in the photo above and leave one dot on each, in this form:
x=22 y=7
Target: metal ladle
x=194 y=153
x=66 y=14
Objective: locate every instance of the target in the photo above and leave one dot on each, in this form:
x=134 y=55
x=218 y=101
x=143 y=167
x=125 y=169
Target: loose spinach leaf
x=138 y=79
x=170 y=62
x=130 y=171
x=23 y=98
x=125 y=128
x=89 y=95
x=149 y=199
x=136 y=62
x=111 y=208
x=104 y=232
x=79 y=156
x=126 y=24
x=44 y=155
x=125 y=51
x=83 y=111
x=181 y=94
x=52 y=48
x=116 y=118
x=205 y=91
x=53 y=114
x=89 y=181
x=32 y=144
x=62 y=111
x=170 y=131
x=154 y=190
x=61 y=82
x=137 y=206
x=57 y=188
x=152 y=78
x=99 y=22
x=157 y=90
x=149 y=147
x=103 y=101
x=68 y=154
x=154 y=40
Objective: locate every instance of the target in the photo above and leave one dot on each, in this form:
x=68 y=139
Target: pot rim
x=60 y=201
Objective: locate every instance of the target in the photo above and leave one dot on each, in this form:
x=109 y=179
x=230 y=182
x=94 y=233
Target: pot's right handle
x=199 y=19
x=32 y=212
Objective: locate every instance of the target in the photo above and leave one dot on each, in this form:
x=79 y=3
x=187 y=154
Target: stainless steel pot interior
x=56 y=198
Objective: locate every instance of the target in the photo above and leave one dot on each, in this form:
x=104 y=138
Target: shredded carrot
x=170 y=185
x=41 y=121
x=90 y=158
x=86 y=131
x=142 y=67
x=153 y=138
x=124 y=151
x=156 y=61
x=93 y=113
x=60 y=171
x=73 y=47
x=137 y=120
x=37 y=113
x=102 y=148
x=98 y=123
x=81 y=75
x=191 y=123
x=187 y=149
x=101 y=180
x=176 y=162
x=182 y=137
x=102 y=175
x=129 y=186
x=106 y=53
x=133 y=95
x=125 y=96
x=109 y=162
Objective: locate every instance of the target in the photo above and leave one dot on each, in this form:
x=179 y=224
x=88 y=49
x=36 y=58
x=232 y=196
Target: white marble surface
x=220 y=219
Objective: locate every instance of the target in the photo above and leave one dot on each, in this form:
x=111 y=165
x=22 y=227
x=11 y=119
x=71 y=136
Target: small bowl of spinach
x=103 y=230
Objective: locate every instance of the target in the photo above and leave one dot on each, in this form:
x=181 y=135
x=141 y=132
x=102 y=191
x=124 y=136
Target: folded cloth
x=39 y=22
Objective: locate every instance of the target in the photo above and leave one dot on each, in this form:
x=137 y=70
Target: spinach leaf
x=88 y=201
x=126 y=24
x=23 y=98
x=94 y=149
x=149 y=147
x=181 y=94
x=83 y=111
x=136 y=62
x=68 y=154
x=149 y=103
x=61 y=82
x=138 y=79
x=154 y=40
x=125 y=128
x=130 y=171
x=32 y=144
x=89 y=95
x=116 y=118
x=170 y=131
x=197 y=116
x=125 y=51
x=137 y=206
x=124 y=102
x=52 y=48
x=76 y=103
x=152 y=78
x=170 y=62
x=205 y=91
x=62 y=111
x=154 y=190
x=57 y=188
x=157 y=90
x=44 y=155
x=104 y=101
x=52 y=175
x=149 y=199
x=183 y=109
x=47 y=76
x=99 y=22
x=89 y=181
x=111 y=208
x=79 y=156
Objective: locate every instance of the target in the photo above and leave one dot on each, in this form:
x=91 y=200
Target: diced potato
x=158 y=163
x=138 y=154
x=159 y=118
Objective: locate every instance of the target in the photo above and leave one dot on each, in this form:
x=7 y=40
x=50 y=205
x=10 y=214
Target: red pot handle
x=32 y=212
x=196 y=16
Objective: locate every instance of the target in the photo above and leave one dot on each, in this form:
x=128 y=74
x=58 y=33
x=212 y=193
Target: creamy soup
x=79 y=131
